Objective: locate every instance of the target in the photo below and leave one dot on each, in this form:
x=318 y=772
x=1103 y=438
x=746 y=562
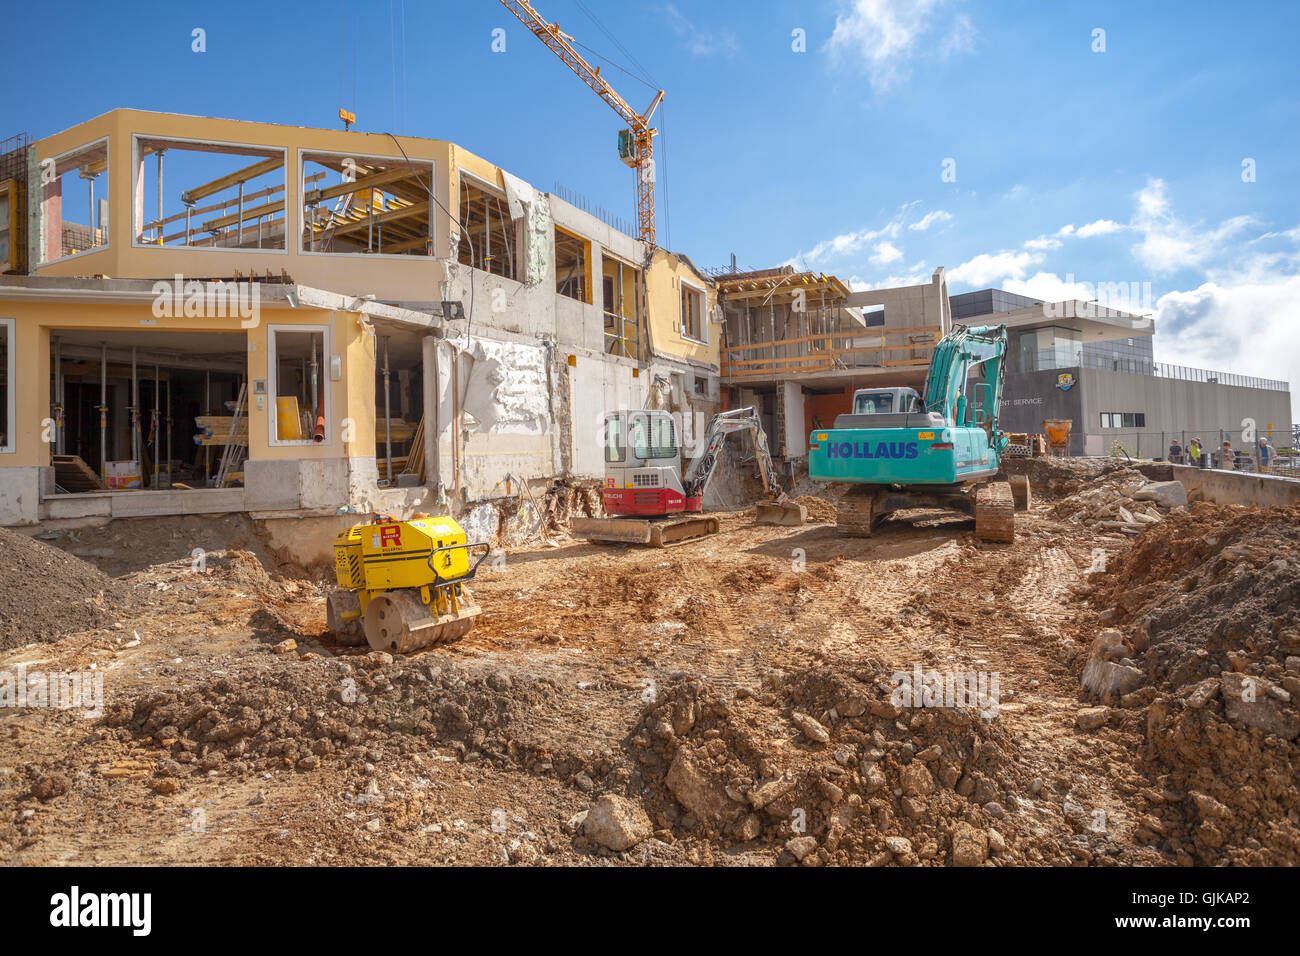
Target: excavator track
x=654 y=533
x=995 y=512
x=855 y=514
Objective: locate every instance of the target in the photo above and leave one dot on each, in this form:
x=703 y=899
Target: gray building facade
x=1094 y=366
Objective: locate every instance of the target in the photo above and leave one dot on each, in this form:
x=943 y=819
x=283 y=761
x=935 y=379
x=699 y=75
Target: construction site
x=363 y=504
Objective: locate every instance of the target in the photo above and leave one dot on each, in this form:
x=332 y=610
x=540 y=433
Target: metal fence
x=1181 y=372
x=1155 y=446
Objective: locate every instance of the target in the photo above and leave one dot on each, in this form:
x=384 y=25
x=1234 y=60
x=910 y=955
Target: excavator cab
x=643 y=465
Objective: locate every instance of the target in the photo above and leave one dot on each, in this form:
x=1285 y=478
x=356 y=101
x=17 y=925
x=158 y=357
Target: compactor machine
x=402 y=585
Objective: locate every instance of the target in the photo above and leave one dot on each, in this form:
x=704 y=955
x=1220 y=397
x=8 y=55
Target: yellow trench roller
x=402 y=584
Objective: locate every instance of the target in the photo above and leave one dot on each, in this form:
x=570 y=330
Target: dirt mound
x=819 y=509
x=823 y=768
x=1213 y=590
x=1212 y=603
x=328 y=711
x=46 y=593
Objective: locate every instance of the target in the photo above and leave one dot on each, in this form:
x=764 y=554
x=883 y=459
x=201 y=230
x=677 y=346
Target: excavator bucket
x=655 y=534
x=785 y=513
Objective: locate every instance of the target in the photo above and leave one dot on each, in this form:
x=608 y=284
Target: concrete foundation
x=1238 y=488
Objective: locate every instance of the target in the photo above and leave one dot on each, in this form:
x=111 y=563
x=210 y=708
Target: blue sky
x=831 y=158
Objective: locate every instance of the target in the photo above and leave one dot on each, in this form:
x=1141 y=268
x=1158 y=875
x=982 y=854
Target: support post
x=432 y=443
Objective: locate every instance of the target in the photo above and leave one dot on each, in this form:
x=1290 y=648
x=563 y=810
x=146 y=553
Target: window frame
x=686 y=284
x=301 y=159
x=137 y=185
x=517 y=226
x=588 y=251
x=652 y=422
x=10 y=327
x=621 y=444
x=108 y=233
x=272 y=386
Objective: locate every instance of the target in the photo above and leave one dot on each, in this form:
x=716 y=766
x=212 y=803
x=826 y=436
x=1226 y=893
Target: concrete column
x=432 y=427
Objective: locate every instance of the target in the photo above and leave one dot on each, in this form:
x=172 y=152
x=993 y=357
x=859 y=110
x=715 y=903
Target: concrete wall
x=1236 y=488
x=1030 y=397
x=1173 y=406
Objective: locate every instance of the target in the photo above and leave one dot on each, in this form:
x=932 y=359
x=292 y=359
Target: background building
x=1093 y=365
x=350 y=286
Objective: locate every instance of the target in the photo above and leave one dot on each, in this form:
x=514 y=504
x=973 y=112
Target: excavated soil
x=739 y=692
x=1210 y=602
x=46 y=593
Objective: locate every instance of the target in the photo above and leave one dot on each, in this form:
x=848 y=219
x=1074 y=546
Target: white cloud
x=1168 y=243
x=984 y=269
x=882 y=37
x=886 y=252
x=1043 y=243
x=1245 y=323
x=850 y=243
x=1101 y=227
x=701 y=41
x=1049 y=287
x=1066 y=231
x=929 y=219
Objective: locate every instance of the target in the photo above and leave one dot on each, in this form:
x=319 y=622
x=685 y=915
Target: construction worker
x=1175 y=452
x=1265 y=454
x=1226 y=456
x=1194 y=452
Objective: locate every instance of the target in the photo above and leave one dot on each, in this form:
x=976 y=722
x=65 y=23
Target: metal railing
x=1180 y=372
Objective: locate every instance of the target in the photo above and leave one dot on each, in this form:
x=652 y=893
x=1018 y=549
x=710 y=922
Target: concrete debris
x=1123 y=501
x=616 y=823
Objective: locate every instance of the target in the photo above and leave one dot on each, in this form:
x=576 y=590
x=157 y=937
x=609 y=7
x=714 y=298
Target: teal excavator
x=902 y=450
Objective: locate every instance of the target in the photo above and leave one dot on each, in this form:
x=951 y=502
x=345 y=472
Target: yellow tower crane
x=635 y=144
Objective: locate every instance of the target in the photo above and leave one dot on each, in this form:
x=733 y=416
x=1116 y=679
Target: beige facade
x=506 y=318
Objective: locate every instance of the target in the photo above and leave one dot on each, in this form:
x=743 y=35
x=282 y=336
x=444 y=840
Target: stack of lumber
x=401 y=430
x=215 y=430
x=72 y=474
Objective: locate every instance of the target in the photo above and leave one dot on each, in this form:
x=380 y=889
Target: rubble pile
x=1210 y=671
x=1123 y=501
x=823 y=767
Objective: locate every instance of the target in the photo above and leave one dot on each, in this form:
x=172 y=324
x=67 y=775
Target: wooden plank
x=72 y=474
x=366 y=182
x=260 y=168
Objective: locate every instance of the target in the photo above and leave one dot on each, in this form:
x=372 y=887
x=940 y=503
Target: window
x=489 y=237
x=1046 y=349
x=362 y=205
x=701 y=386
x=298 y=371
x=692 y=312
x=212 y=195
x=615 y=449
x=653 y=436
x=75 y=203
x=1123 y=420
x=619 y=297
x=7 y=397
x=572 y=266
